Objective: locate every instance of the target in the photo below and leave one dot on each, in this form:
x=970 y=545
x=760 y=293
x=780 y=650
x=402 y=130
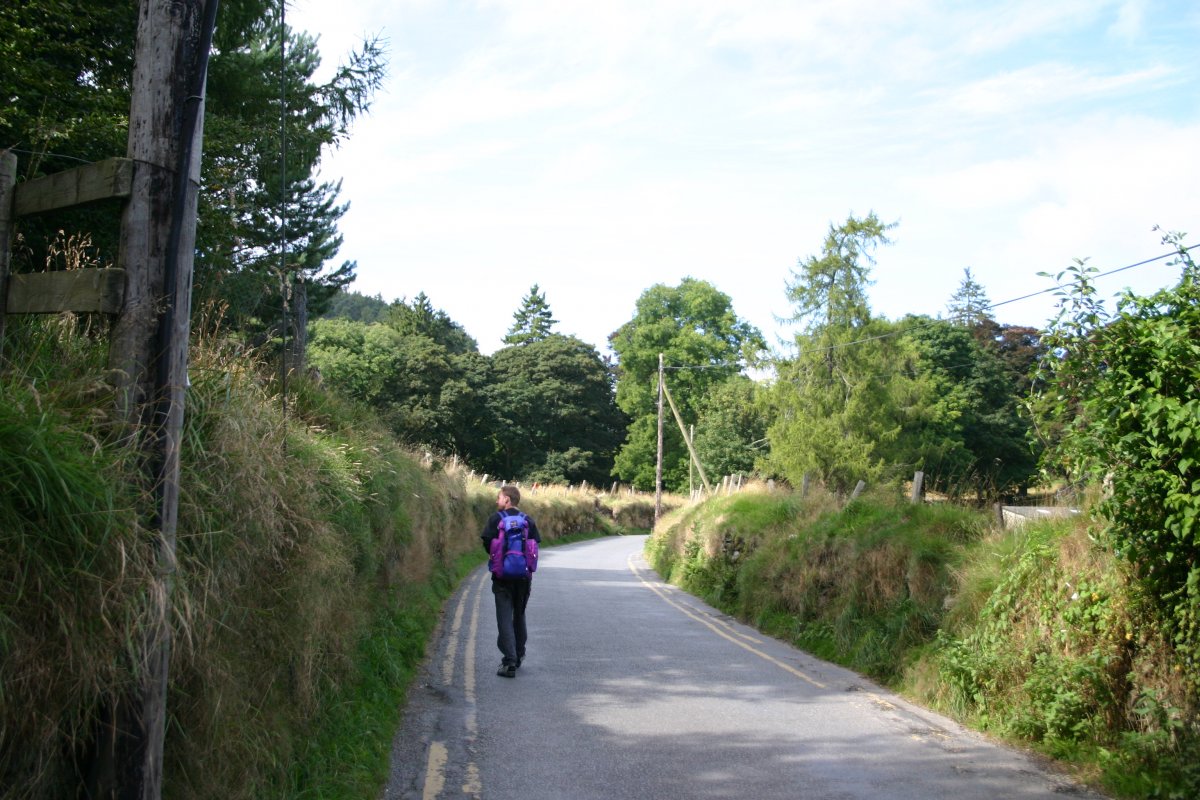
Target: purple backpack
x=514 y=554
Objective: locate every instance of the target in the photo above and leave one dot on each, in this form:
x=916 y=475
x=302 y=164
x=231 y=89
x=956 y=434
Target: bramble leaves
x=1121 y=390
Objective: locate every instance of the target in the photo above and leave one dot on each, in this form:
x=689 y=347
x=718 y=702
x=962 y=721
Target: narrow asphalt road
x=634 y=689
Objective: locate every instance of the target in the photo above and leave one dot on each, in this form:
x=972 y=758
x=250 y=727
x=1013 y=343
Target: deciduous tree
x=1121 y=390
x=731 y=428
x=429 y=396
x=703 y=343
x=972 y=437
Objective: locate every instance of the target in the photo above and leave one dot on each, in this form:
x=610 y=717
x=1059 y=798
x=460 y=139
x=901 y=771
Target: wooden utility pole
x=148 y=352
x=658 y=465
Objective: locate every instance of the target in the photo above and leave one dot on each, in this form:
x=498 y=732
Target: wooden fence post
x=858 y=490
x=918 y=487
x=149 y=347
x=8 y=179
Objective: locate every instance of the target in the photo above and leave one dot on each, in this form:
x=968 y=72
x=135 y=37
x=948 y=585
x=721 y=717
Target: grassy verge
x=348 y=753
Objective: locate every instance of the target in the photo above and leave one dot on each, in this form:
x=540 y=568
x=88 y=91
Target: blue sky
x=598 y=148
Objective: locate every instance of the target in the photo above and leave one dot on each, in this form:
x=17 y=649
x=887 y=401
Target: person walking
x=511 y=594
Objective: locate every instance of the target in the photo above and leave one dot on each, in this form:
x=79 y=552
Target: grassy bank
x=1034 y=635
x=314 y=558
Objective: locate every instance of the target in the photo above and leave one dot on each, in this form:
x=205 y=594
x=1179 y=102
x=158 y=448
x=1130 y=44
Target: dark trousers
x=511 y=598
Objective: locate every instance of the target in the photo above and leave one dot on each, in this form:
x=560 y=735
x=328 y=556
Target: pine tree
x=532 y=321
x=239 y=266
x=969 y=305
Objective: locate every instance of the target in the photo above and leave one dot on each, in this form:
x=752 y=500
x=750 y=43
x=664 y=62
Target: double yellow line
x=439 y=755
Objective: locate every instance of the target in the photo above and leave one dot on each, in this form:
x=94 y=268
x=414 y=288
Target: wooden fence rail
x=82 y=290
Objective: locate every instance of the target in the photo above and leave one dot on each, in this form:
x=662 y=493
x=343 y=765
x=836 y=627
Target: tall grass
x=73 y=565
x=300 y=538
x=313 y=558
x=1050 y=642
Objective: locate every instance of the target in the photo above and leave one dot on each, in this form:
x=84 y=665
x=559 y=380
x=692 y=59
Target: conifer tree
x=532 y=321
x=969 y=306
x=835 y=401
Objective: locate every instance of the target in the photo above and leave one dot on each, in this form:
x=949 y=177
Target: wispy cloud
x=1047 y=84
x=1128 y=24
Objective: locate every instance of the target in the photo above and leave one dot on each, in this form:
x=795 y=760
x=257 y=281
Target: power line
x=1098 y=275
x=1054 y=288
x=918 y=326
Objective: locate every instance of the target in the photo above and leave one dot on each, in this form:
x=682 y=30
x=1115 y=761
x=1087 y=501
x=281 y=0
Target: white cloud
x=598 y=148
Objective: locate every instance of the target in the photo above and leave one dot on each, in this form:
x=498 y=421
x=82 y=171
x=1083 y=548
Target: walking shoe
x=507 y=670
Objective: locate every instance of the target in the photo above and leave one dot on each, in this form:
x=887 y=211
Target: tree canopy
x=556 y=419
x=420 y=318
x=830 y=290
x=837 y=403
x=973 y=438
x=542 y=410
x=358 y=307
x=969 y=306
x=263 y=194
x=731 y=428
